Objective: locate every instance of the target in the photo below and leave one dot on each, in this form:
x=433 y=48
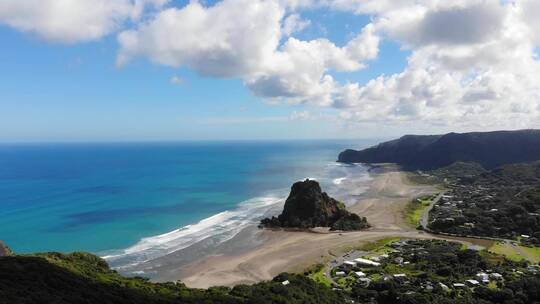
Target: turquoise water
x=101 y=197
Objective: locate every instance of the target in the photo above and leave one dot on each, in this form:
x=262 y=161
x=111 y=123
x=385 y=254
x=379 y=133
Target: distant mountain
x=489 y=149
x=307 y=207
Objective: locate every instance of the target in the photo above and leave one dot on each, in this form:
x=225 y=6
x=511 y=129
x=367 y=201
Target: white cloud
x=241 y=38
x=472 y=62
x=294 y=24
x=71 y=21
x=229 y=39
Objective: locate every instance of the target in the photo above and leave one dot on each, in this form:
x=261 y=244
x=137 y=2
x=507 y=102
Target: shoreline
x=280 y=251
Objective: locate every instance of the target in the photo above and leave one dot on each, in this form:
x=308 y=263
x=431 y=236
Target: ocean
x=133 y=202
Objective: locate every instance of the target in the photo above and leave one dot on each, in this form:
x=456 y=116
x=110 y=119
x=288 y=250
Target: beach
x=278 y=251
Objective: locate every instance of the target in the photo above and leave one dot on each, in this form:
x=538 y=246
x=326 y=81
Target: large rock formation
x=307 y=207
x=489 y=149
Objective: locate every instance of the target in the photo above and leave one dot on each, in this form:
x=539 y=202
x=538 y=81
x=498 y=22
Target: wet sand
x=278 y=251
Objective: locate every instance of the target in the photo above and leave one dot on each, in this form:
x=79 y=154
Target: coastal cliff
x=427 y=152
x=307 y=207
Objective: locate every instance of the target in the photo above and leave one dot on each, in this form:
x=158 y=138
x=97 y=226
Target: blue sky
x=65 y=85
x=55 y=92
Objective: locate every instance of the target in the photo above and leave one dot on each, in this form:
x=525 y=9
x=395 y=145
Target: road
x=424 y=220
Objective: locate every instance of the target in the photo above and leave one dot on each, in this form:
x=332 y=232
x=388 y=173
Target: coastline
x=276 y=251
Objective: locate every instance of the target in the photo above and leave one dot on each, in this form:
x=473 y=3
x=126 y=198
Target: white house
x=340 y=273
x=348 y=265
x=496 y=276
x=473 y=282
x=458 y=285
x=367 y=262
x=360 y=274
x=286 y=282
x=482 y=276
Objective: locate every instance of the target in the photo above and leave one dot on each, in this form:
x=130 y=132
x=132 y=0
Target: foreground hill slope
x=85 y=278
x=489 y=149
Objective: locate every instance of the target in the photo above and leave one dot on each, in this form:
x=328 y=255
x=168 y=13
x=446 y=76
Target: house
x=458 y=285
x=360 y=274
x=380 y=257
x=285 y=283
x=496 y=276
x=473 y=282
x=444 y=286
x=340 y=273
x=398 y=260
x=348 y=265
x=367 y=262
x=482 y=276
x=525 y=236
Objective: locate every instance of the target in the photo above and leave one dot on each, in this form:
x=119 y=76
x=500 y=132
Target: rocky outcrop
x=307 y=207
x=4 y=250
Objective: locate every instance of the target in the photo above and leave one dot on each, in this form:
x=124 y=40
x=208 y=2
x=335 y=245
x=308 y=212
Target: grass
x=507 y=250
x=379 y=244
x=533 y=252
x=513 y=252
x=347 y=282
x=492 y=285
x=415 y=208
x=316 y=273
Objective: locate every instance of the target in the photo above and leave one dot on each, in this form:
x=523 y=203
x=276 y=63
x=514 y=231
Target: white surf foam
x=338 y=181
x=225 y=225
x=221 y=227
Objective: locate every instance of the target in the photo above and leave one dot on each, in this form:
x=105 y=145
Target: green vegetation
x=428 y=266
x=415 y=209
x=317 y=274
x=507 y=250
x=379 y=244
x=501 y=203
x=85 y=278
x=350 y=222
x=516 y=252
x=533 y=252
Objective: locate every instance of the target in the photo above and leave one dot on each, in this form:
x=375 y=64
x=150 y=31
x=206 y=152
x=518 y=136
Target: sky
x=124 y=70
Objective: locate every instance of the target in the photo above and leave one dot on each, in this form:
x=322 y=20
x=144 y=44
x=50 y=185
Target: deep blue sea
x=104 y=198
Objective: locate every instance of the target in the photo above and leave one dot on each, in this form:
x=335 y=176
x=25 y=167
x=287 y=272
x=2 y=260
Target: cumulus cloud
x=71 y=21
x=452 y=25
x=241 y=38
x=472 y=62
x=229 y=39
